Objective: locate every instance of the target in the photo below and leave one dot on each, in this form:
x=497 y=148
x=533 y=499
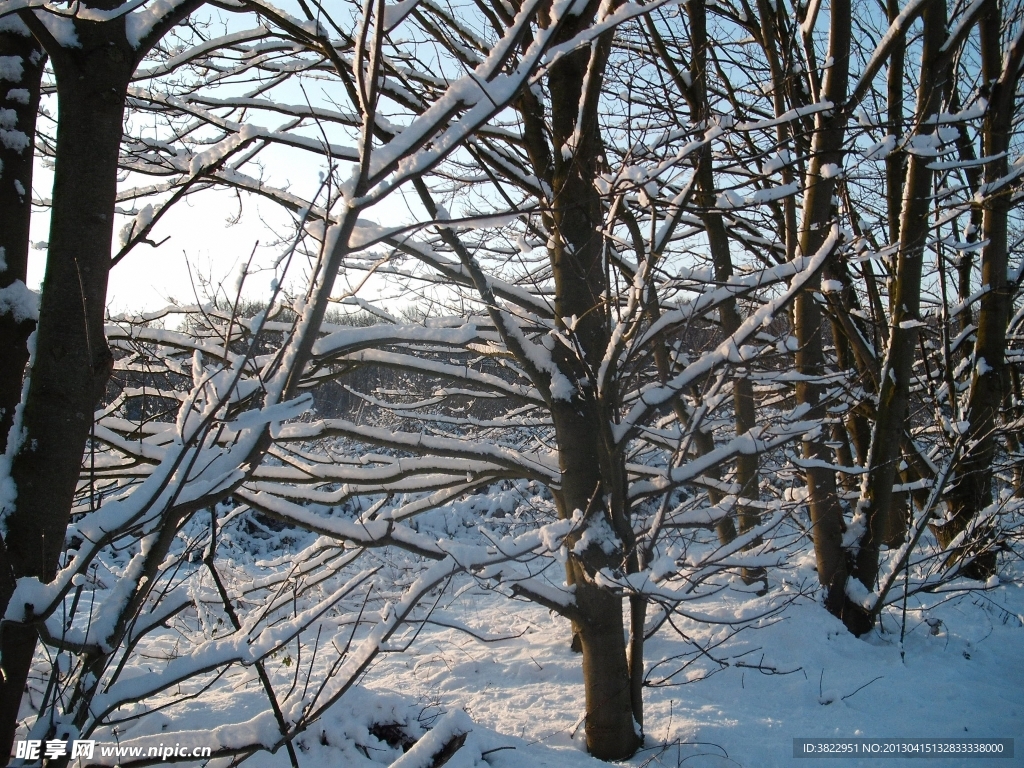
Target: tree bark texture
x=592 y=467
x=73 y=362
x=882 y=521
x=826 y=512
x=20 y=99
x=972 y=488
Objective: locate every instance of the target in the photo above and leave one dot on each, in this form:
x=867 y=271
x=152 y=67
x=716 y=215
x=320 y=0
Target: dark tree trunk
x=18 y=642
x=593 y=469
x=591 y=484
x=895 y=162
x=73 y=361
x=21 y=97
x=610 y=728
x=71 y=370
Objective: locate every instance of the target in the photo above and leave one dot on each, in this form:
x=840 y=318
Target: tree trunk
x=972 y=489
x=883 y=525
x=17 y=642
x=973 y=173
x=611 y=733
x=610 y=729
x=728 y=313
x=895 y=162
x=21 y=98
x=586 y=486
x=71 y=368
x=592 y=467
x=826 y=511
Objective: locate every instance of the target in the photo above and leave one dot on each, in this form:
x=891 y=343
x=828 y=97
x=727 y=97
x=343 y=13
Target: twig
x=869 y=682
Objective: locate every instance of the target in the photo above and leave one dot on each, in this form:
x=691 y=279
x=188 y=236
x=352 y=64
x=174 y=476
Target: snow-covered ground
x=501 y=670
x=960 y=672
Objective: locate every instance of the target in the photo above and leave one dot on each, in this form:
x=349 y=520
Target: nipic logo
x=51 y=749
x=54 y=748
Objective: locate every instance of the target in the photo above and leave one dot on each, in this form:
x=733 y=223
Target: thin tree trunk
x=20 y=98
x=972 y=489
x=17 y=642
x=826 y=512
x=17 y=646
x=827 y=136
x=895 y=162
x=883 y=524
x=718 y=241
x=702 y=442
x=965 y=265
x=855 y=356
